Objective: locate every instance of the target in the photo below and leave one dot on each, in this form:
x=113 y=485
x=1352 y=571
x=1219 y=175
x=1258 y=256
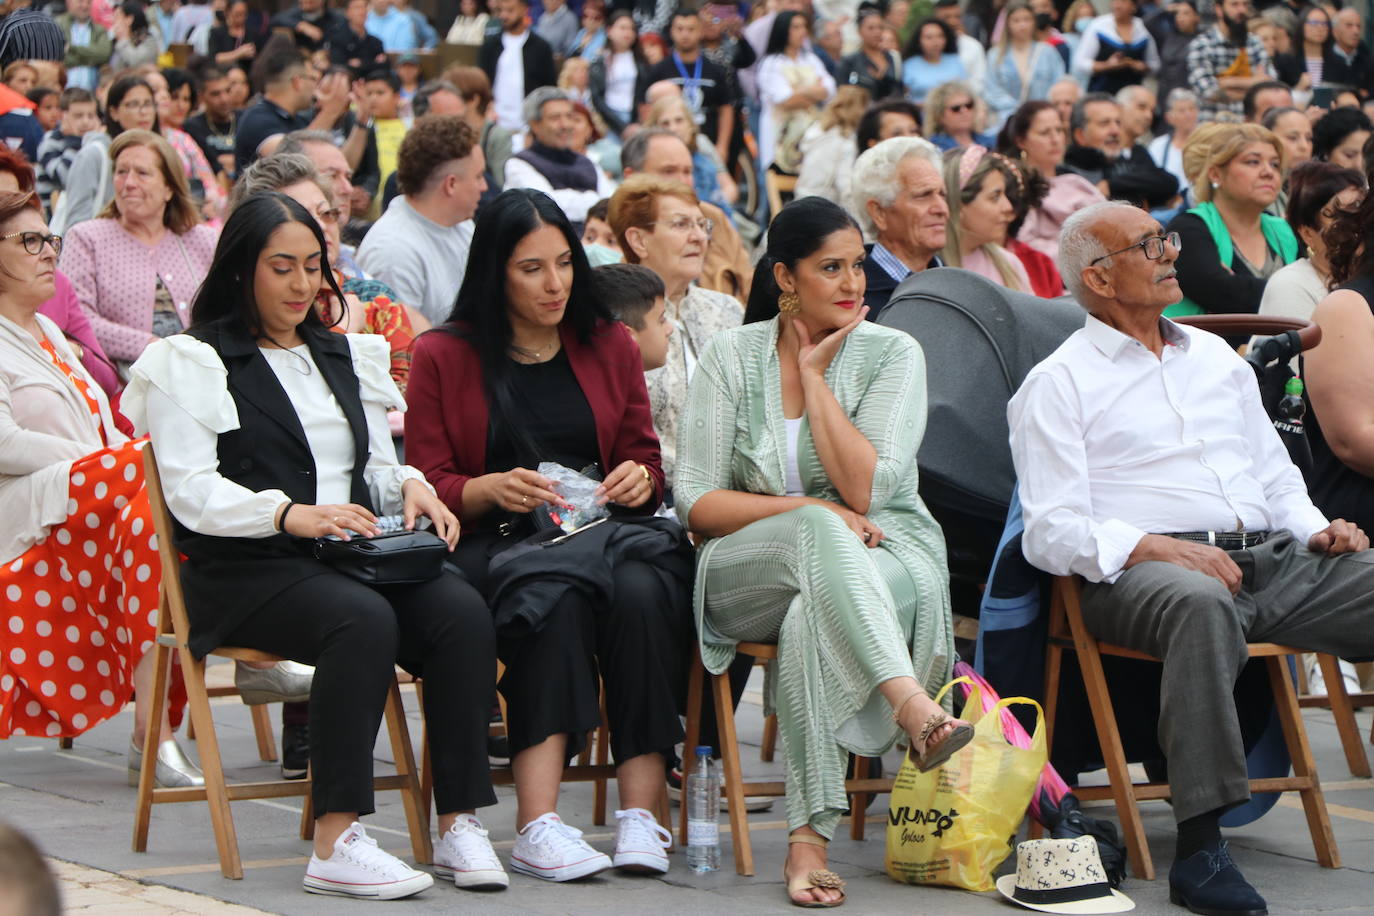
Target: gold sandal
x=928 y=759
x=816 y=878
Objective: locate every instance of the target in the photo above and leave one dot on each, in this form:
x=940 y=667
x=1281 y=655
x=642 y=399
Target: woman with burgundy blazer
x=531 y=368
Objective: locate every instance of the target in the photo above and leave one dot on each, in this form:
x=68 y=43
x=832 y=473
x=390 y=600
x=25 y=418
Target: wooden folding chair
x=778 y=184
x=1069 y=633
x=174 y=634
x=860 y=789
x=1342 y=705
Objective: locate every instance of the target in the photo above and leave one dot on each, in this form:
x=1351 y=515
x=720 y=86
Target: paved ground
x=78 y=808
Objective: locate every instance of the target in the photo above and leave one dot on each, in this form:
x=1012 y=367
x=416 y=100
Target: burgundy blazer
x=446 y=419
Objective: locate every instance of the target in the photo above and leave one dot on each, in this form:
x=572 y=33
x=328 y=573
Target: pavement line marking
x=1354 y=814
x=170 y=870
x=30 y=749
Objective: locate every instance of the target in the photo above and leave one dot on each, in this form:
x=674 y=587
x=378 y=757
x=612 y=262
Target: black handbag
x=399 y=558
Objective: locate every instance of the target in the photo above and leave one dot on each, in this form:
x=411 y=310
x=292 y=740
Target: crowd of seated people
x=290 y=253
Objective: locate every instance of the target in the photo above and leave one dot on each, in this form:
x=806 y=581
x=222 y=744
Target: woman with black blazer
x=271 y=431
x=615 y=73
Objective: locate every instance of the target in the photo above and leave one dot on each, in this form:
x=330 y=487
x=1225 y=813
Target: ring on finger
x=868 y=535
x=525 y=500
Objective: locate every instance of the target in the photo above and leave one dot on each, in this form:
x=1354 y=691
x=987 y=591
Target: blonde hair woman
x=136 y=266
x=710 y=178
x=1230 y=245
x=952 y=116
x=828 y=150
x=976 y=183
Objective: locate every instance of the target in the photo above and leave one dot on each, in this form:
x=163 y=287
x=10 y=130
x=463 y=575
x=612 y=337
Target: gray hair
x=875 y=174
x=1079 y=245
x=296 y=141
x=533 y=108
x=419 y=104
x=1079 y=118
x=272 y=173
x=636 y=149
x=1126 y=93
x=1179 y=96
x=1068 y=80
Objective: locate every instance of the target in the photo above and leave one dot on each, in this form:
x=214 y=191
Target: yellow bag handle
x=1038 y=736
x=973 y=703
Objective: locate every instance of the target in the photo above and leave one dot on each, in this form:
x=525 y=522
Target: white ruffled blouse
x=179 y=394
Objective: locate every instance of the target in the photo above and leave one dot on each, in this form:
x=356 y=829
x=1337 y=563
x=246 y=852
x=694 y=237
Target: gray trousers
x=1289 y=595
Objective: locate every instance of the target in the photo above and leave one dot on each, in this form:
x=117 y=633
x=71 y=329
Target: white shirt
x=574 y=203
x=508 y=89
x=792 y=471
x=1111 y=444
x=975 y=61
x=621 y=73
x=179 y=394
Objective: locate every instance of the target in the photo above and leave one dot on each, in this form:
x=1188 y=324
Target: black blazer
x=880 y=285
x=538 y=55
x=226 y=580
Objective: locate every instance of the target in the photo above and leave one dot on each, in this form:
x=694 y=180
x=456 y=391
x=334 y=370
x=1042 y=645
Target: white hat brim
x=1116 y=903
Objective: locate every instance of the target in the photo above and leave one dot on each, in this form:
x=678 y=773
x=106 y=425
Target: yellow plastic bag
x=956 y=824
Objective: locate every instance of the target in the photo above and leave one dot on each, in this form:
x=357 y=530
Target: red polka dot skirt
x=81 y=604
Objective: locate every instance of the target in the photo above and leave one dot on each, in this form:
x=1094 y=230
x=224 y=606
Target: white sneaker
x=361 y=868
x=640 y=843
x=548 y=848
x=465 y=855
x=1316 y=681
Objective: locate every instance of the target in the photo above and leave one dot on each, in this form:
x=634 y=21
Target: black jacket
x=228 y=579
x=1204 y=279
x=1357 y=73
x=1133 y=176
x=538 y=56
x=596 y=85
x=880 y=285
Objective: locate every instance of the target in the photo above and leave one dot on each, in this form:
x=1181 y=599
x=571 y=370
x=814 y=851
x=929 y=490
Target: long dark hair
x=115 y=97
x=1018 y=126
x=797 y=232
x=913 y=44
x=228 y=288
x=480 y=312
x=777 y=36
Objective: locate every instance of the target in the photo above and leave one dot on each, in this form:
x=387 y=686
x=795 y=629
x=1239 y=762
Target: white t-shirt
x=508 y=89
x=620 y=82
x=793 y=472
x=421 y=260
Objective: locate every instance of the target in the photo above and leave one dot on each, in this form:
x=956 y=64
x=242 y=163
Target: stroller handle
x=1309 y=334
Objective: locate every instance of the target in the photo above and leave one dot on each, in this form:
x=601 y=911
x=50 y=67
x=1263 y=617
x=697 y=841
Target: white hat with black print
x=1062 y=876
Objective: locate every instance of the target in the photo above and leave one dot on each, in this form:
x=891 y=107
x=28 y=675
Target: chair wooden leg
x=858 y=802
x=64 y=744
x=426 y=765
x=603 y=756
x=308 y=811
x=144 y=805
x=401 y=750
x=770 y=738
x=734 y=775
x=1344 y=714
x=216 y=793
x=1114 y=756
x=1295 y=735
x=190 y=729
x=696 y=675
x=262 y=727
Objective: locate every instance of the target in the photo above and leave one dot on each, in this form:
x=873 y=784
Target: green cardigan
x=1277 y=234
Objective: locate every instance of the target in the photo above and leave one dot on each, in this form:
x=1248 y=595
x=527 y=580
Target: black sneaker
x=295 y=751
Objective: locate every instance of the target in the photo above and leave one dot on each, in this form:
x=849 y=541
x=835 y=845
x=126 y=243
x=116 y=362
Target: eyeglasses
x=33 y=241
x=330 y=215
x=1153 y=247
x=138 y=106
x=959 y=106
x=684 y=225
x=1319 y=23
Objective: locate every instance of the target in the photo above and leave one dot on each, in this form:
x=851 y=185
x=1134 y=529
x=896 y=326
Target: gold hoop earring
x=789 y=304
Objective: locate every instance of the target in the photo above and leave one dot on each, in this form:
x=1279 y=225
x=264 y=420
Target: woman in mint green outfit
x=797 y=469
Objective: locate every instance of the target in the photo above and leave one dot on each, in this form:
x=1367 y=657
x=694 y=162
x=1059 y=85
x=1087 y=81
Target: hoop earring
x=789 y=304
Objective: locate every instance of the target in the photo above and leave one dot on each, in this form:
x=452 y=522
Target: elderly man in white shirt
x=549 y=164
x=1139 y=444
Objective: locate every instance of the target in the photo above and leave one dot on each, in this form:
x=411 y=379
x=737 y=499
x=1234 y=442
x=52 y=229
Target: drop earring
x=789 y=304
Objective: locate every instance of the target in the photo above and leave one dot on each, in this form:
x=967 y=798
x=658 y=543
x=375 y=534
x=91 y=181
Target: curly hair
x=433 y=142
x=1347 y=254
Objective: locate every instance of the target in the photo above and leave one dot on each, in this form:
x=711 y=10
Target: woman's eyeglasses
x=138 y=106
x=959 y=107
x=685 y=224
x=1319 y=23
x=33 y=241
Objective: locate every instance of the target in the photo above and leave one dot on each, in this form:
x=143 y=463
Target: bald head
x=1103 y=257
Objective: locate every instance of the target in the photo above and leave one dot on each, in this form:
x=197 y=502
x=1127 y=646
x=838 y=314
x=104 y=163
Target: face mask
x=1081 y=26
x=1043 y=21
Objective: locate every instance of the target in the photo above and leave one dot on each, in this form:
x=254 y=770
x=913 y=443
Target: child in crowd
x=634 y=295
x=382 y=89
x=45 y=106
x=59 y=147
x=408 y=71
x=596 y=230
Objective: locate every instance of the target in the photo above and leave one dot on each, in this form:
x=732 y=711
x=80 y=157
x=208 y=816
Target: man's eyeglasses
x=685 y=224
x=1153 y=247
x=33 y=241
x=330 y=215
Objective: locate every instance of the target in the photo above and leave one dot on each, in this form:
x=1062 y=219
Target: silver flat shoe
x=174 y=769
x=284 y=682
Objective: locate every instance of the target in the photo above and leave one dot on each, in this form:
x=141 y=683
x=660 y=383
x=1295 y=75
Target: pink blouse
x=115 y=278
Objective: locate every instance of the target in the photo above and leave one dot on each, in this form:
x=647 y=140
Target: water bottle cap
x=703 y=750
x=1293 y=386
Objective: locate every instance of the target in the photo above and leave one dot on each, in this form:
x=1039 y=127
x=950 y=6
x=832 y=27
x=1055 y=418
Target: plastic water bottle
x=703 y=814
x=1288 y=421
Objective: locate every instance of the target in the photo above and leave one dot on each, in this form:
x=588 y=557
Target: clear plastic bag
x=579 y=495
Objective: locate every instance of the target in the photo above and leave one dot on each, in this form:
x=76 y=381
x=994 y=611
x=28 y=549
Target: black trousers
x=638 y=643
x=354 y=635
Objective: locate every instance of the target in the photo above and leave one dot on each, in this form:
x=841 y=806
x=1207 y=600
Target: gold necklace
x=534 y=355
